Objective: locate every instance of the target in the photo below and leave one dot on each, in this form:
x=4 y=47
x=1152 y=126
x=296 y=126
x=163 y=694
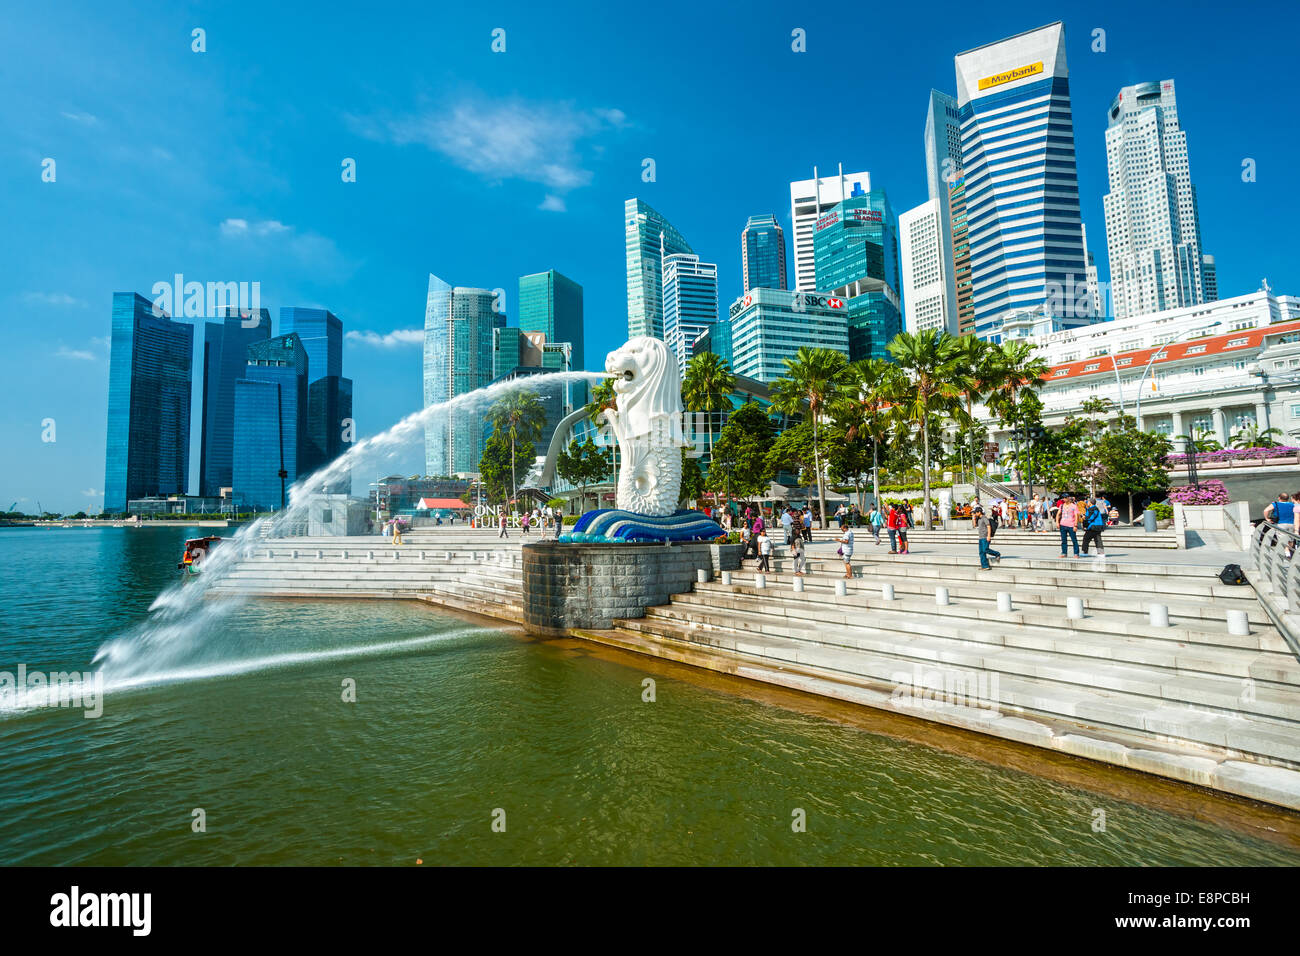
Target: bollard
x=701 y=576
x=760 y=581
x=1004 y=600
x=422 y=556
x=726 y=578
x=941 y=597
x=295 y=552
x=370 y=555
x=319 y=554
x=1159 y=615
x=1238 y=623
x=1074 y=608
x=798 y=585
x=345 y=554
x=841 y=588
x=269 y=554
x=887 y=592
x=448 y=556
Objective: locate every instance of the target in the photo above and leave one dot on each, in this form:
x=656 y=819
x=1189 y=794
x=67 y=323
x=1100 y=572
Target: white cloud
x=504 y=139
x=552 y=204
x=87 y=119
x=308 y=248
x=241 y=228
x=92 y=493
x=81 y=355
x=389 y=340
x=53 y=298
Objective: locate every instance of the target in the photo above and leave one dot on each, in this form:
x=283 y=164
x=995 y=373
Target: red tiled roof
x=424 y=503
x=1207 y=347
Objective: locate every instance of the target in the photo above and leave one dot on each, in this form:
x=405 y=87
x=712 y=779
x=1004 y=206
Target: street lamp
x=1156 y=354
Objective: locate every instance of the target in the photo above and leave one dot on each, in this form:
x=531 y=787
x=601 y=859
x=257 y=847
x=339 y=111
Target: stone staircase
x=491 y=591
x=1191 y=700
x=1117 y=538
x=369 y=567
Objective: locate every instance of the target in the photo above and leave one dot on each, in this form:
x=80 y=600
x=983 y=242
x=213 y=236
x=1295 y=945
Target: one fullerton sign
x=1019 y=73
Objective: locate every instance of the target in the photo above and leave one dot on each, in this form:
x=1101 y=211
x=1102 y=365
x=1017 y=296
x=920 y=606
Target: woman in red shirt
x=896 y=522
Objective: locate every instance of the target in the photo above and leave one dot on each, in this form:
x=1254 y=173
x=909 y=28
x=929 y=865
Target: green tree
x=862 y=408
x=1251 y=436
x=581 y=464
x=707 y=387
x=1133 y=461
x=794 y=450
x=739 y=465
x=518 y=417
x=932 y=384
x=813 y=377
x=692 y=479
x=1013 y=369
x=504 y=465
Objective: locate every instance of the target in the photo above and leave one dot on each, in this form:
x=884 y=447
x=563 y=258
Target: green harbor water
x=240 y=714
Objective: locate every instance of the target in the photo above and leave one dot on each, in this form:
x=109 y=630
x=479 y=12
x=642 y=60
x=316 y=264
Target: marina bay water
x=453 y=721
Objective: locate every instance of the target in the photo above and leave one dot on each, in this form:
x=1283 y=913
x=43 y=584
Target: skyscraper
x=649 y=237
x=551 y=303
x=1022 y=191
x=458 y=333
x=690 y=303
x=149 y=376
x=961 y=258
x=1153 y=227
x=329 y=394
x=858 y=239
x=768 y=326
x=762 y=253
x=270 y=422
x=942 y=144
x=929 y=289
x=810 y=199
x=225 y=356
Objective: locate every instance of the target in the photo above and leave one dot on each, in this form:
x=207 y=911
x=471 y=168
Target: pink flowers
x=1211 y=492
x=1234 y=454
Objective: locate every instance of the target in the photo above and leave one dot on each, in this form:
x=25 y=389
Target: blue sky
x=481 y=166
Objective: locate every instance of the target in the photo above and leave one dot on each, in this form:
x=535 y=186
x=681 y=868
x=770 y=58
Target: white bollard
x=941 y=597
x=319 y=554
x=841 y=588
x=448 y=555
x=887 y=592
x=1074 y=608
x=345 y=554
x=798 y=585
x=726 y=578
x=1004 y=601
x=422 y=558
x=701 y=576
x=270 y=554
x=1238 y=622
x=760 y=581
x=370 y=555
x=1158 y=615
x=295 y=552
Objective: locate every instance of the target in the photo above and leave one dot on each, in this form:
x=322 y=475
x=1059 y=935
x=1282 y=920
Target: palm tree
x=707 y=387
x=931 y=383
x=1013 y=366
x=862 y=406
x=519 y=415
x=1250 y=436
x=813 y=376
x=603 y=397
x=974 y=359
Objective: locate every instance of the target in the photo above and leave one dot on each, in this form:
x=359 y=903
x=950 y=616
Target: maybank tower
x=1022 y=189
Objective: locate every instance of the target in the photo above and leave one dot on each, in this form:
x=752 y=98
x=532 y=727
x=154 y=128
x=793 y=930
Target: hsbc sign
x=798 y=302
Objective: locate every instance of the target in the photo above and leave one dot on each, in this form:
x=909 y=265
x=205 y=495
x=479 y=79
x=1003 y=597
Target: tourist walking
x=807 y=525
x=397 y=531
x=798 y=555
x=983 y=529
x=840 y=514
x=787 y=525
x=892 y=521
x=764 y=552
x=846 y=551
x=1067 y=518
x=1094 y=522
x=503 y=533
x=1013 y=513
x=875 y=521
x=903 y=524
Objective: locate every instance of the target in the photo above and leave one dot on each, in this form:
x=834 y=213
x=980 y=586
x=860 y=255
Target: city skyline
x=274 y=213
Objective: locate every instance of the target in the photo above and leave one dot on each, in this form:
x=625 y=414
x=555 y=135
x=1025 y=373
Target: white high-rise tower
x=1153 y=229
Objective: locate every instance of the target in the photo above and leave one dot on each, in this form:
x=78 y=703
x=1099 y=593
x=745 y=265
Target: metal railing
x=1276 y=552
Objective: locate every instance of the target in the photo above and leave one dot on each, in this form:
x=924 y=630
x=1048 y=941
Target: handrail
x=1276 y=551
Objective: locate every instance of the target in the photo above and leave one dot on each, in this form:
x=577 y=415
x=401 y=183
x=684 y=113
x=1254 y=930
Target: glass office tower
x=321 y=334
x=1022 y=188
x=458 y=358
x=551 y=303
x=329 y=393
x=649 y=237
x=225 y=356
x=690 y=303
x=762 y=253
x=270 y=423
x=149 y=376
x=858 y=239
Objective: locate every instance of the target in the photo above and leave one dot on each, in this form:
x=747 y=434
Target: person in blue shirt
x=1282 y=511
x=1094 y=523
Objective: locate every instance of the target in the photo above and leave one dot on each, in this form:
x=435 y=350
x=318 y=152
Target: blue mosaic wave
x=613 y=525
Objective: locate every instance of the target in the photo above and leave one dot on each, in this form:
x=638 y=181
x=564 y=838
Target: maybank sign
x=1019 y=73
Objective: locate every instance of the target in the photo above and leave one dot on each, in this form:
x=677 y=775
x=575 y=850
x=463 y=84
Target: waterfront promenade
x=1202 y=699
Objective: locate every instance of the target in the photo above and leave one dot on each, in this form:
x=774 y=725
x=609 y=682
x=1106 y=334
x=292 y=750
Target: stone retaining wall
x=587 y=585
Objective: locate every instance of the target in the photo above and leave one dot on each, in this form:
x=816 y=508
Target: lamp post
x=1156 y=354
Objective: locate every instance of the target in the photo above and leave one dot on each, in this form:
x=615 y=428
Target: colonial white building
x=1217 y=367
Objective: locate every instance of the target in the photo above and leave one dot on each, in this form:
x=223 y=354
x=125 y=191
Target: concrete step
x=1049 y=694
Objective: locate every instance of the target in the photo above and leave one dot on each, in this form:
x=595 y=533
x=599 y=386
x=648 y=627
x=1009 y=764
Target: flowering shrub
x=1234 y=454
x=1210 y=493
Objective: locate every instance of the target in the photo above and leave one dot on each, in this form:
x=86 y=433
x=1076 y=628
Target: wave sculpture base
x=616 y=525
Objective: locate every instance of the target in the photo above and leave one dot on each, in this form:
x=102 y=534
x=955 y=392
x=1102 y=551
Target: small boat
x=196 y=552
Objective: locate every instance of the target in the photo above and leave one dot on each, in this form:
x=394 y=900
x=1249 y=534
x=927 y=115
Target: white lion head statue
x=647 y=387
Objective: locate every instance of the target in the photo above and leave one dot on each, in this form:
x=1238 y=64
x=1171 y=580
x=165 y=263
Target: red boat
x=196 y=552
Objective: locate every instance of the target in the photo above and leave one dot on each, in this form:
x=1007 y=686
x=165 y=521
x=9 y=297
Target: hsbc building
x=771 y=325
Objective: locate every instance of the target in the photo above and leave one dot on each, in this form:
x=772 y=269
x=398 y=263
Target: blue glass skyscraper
x=762 y=253
x=225 y=356
x=270 y=422
x=458 y=358
x=329 y=393
x=321 y=334
x=148 y=441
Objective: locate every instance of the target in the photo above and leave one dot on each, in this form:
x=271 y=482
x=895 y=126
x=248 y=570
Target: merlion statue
x=647 y=422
